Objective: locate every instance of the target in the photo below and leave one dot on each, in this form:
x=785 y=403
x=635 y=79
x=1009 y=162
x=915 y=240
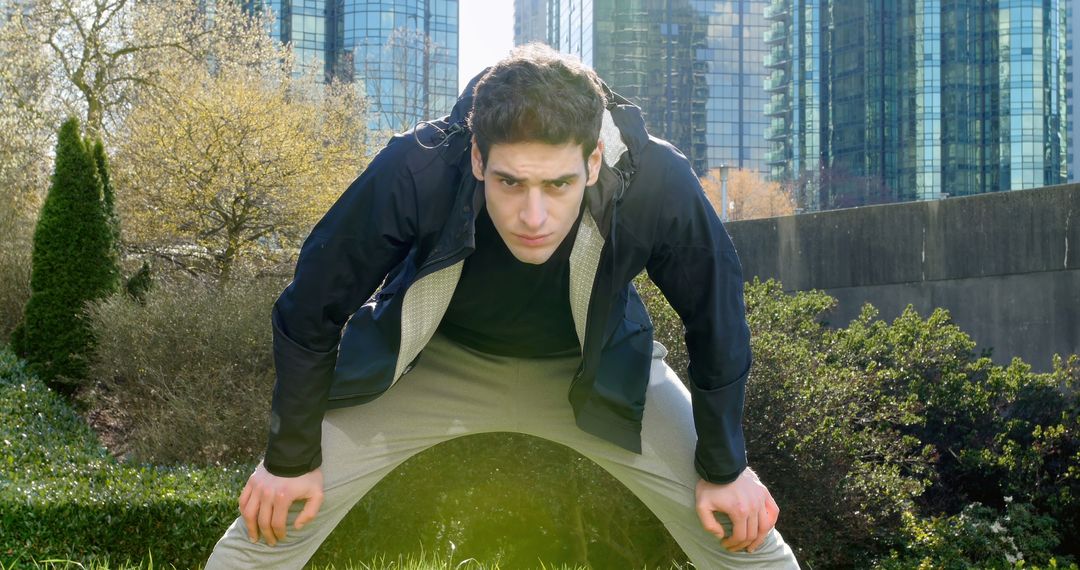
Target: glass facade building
x=404 y=51
x=530 y=21
x=1072 y=44
x=307 y=23
x=1034 y=124
x=695 y=67
x=918 y=99
x=793 y=133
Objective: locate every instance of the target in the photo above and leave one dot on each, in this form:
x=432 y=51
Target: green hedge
x=63 y=496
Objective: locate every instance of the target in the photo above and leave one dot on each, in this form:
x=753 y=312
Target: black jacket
x=406 y=224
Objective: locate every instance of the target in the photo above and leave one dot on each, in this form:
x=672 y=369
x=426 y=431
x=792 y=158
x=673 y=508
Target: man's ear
x=595 y=158
x=477 y=161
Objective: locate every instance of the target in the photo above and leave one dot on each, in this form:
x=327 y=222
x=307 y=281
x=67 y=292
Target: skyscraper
x=530 y=21
x=916 y=99
x=1033 y=118
x=404 y=51
x=795 y=90
x=695 y=67
x=1072 y=93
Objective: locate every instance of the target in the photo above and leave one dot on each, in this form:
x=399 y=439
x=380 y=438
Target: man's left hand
x=746 y=502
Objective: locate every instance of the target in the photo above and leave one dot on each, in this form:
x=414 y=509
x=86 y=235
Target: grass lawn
x=419 y=562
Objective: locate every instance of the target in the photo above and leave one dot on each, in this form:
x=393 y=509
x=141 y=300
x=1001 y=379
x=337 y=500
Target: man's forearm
x=298 y=405
x=721 y=450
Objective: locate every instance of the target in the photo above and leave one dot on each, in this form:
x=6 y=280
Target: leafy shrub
x=996 y=431
x=190 y=372
x=63 y=496
x=73 y=261
x=863 y=433
x=829 y=439
x=823 y=438
x=978 y=537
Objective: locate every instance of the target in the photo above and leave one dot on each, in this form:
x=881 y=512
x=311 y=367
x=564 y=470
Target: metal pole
x=723 y=193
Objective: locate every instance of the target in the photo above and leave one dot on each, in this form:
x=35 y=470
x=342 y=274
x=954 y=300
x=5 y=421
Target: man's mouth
x=533 y=239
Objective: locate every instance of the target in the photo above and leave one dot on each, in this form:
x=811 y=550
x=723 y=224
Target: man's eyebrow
x=562 y=179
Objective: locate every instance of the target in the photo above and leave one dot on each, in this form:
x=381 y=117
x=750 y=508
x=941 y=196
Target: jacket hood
x=461 y=109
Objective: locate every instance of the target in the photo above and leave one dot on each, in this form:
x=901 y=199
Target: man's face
x=534 y=192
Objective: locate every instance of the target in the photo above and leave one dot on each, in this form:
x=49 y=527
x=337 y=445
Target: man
x=504 y=238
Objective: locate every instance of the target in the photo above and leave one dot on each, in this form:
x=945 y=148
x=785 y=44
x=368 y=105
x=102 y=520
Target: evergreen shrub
x=73 y=261
x=108 y=204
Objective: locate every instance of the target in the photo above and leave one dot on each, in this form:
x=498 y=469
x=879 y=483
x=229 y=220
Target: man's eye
x=509 y=183
x=560 y=185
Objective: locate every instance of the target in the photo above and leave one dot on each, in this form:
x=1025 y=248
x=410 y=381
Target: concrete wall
x=1006 y=265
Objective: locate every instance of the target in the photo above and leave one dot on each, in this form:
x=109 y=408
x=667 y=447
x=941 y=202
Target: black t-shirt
x=506 y=307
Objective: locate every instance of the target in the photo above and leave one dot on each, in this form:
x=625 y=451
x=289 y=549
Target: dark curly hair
x=537 y=94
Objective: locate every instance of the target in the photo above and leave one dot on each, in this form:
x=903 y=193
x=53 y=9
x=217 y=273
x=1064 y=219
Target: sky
x=485 y=35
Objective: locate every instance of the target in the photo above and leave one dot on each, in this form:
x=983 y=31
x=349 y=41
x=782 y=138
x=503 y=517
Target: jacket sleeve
x=367 y=231
x=695 y=265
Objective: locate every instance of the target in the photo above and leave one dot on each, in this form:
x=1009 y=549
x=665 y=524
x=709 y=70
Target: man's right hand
x=265 y=501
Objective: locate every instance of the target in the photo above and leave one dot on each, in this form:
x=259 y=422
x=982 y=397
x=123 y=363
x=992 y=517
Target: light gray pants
x=454 y=391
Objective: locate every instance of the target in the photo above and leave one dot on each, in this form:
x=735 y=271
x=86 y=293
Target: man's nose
x=534 y=213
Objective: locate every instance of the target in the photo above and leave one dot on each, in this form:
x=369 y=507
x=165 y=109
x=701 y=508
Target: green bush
x=108 y=205
x=859 y=431
x=978 y=537
x=63 y=496
x=73 y=261
x=996 y=431
x=189 y=372
x=828 y=439
x=824 y=438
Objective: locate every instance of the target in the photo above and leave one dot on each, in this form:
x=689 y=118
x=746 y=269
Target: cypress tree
x=72 y=262
x=108 y=204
